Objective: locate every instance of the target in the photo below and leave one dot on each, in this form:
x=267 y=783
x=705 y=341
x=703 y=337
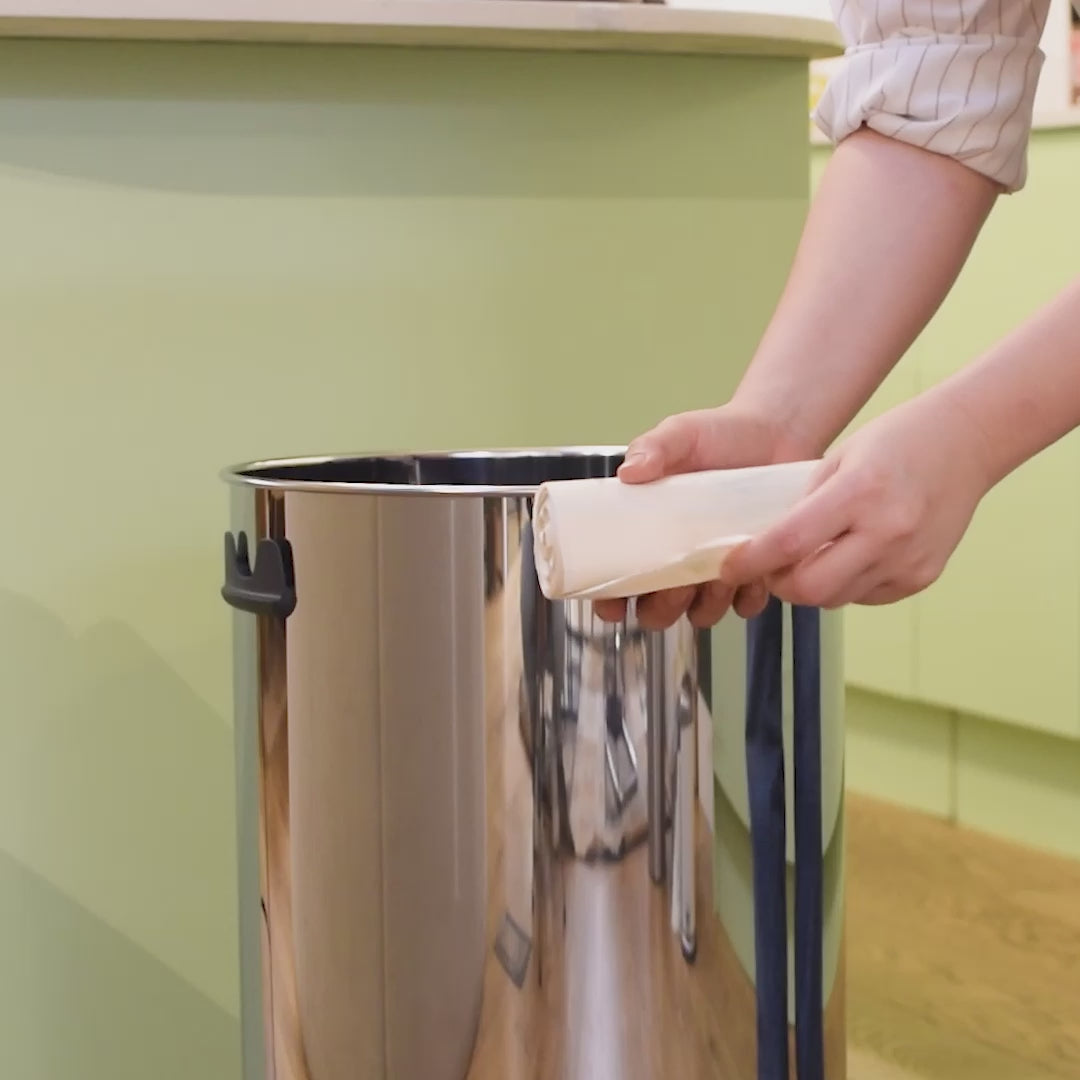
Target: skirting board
x=1009 y=782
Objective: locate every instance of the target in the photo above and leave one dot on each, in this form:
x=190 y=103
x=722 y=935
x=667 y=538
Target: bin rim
x=527 y=468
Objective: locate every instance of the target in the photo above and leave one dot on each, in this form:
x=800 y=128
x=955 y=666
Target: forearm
x=1024 y=394
x=888 y=232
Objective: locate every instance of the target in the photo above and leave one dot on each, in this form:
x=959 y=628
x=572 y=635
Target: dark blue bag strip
x=765 y=780
x=809 y=874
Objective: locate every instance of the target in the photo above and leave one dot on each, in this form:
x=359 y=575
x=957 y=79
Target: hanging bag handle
x=809 y=858
x=765 y=783
x=768 y=829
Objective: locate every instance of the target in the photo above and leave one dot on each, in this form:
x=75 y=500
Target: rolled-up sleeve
x=956 y=77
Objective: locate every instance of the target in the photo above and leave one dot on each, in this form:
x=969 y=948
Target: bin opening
x=498 y=472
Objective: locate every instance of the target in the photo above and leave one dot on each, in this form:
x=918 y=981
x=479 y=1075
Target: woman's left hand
x=884 y=513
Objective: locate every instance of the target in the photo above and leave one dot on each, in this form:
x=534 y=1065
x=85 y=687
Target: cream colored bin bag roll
x=602 y=538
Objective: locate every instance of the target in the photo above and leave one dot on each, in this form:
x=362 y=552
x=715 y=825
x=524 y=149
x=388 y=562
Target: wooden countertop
x=743 y=27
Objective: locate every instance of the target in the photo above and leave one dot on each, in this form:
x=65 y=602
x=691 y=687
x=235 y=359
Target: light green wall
x=999 y=635
x=216 y=253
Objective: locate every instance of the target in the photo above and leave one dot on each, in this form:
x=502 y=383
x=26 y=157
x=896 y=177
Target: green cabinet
x=999 y=634
x=217 y=252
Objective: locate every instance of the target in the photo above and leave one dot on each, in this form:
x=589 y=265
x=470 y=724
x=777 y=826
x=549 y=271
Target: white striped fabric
x=956 y=77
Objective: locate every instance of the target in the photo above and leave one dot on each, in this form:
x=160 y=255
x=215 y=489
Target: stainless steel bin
x=486 y=836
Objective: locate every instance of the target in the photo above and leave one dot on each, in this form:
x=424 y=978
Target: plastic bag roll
x=602 y=538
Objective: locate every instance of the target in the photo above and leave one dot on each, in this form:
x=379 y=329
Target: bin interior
x=497 y=471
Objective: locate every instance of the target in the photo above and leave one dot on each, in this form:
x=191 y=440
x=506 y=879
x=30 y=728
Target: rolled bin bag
x=600 y=539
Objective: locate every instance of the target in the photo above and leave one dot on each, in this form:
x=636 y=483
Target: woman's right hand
x=726 y=437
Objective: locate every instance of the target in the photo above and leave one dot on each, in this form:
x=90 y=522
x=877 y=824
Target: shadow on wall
x=373 y=120
x=118 y=873
x=80 y=1001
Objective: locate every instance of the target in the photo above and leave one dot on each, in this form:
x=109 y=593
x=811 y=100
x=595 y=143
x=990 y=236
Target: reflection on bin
x=487 y=837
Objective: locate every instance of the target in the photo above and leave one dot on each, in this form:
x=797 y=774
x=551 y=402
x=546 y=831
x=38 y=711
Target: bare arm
x=887 y=235
x=1024 y=394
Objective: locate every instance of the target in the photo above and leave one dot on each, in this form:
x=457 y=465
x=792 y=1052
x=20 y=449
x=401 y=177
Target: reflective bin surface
x=487 y=837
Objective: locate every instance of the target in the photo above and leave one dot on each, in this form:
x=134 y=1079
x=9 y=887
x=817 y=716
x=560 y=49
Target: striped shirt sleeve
x=956 y=77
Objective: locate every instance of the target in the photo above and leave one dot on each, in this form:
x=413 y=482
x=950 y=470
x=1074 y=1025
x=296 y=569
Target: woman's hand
x=883 y=516
x=721 y=438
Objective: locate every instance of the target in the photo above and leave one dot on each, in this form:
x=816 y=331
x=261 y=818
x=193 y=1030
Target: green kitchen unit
x=232 y=229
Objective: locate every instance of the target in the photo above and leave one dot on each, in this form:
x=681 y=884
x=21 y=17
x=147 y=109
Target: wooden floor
x=963 y=953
